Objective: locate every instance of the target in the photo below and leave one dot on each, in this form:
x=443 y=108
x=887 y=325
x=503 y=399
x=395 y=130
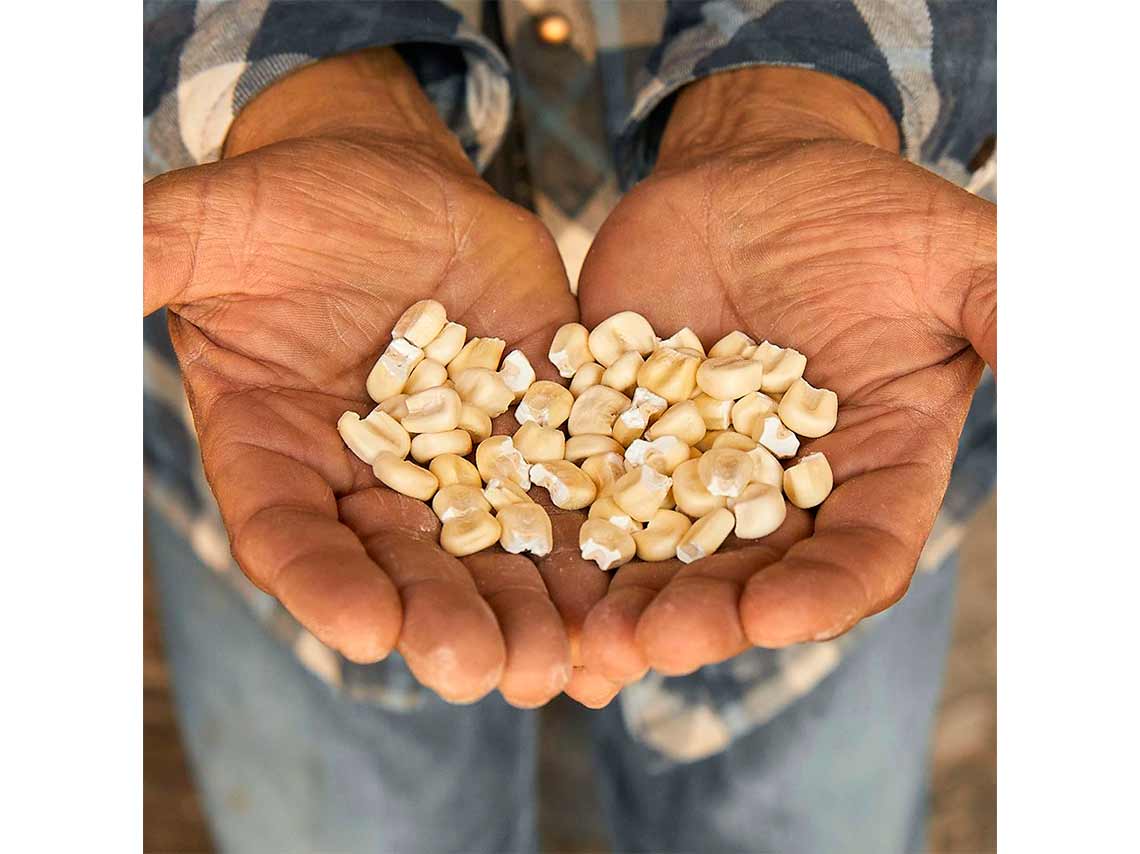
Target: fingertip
x=787 y=604
x=370 y=628
x=692 y=622
x=608 y=640
x=590 y=689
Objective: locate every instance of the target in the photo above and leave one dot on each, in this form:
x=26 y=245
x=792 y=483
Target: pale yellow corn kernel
x=427 y=374
x=725 y=471
x=539 y=444
x=689 y=491
x=587 y=375
x=447 y=344
x=747 y=412
x=647 y=404
x=621 y=333
x=625 y=434
x=782 y=367
x=427 y=446
x=458 y=499
x=452 y=469
x=605 y=543
x=475 y=421
x=394 y=406
x=546 y=403
x=773 y=435
x=595 y=411
x=809 y=481
x=405 y=477
x=765 y=467
x=470 y=533
x=641 y=491
x=606 y=508
x=517 y=373
x=498 y=457
x=570 y=349
x=485 y=389
x=501 y=493
x=525 y=528
x=695 y=453
x=570 y=488
x=433 y=410
x=589 y=445
x=776 y=396
x=809 y=411
x=622 y=374
x=421 y=322
x=477 y=353
x=729 y=377
x=603 y=469
x=373 y=435
x=664 y=453
x=708 y=441
x=659 y=539
x=667 y=503
x=682 y=420
x=706 y=535
x=671 y=373
x=716 y=413
x=392 y=369
x=683 y=337
x=759 y=510
x=732 y=344
x=732 y=439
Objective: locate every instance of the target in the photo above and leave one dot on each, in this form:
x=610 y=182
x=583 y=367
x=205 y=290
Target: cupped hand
x=881 y=273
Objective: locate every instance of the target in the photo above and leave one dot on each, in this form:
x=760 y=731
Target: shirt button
x=554 y=28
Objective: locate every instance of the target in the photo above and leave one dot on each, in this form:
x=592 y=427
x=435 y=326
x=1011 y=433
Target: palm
x=304 y=254
x=829 y=248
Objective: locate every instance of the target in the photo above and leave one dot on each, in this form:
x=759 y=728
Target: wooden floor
x=963 y=817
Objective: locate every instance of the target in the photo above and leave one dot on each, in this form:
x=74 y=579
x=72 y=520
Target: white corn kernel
x=475 y=421
x=498 y=457
x=501 y=493
x=525 y=528
x=622 y=374
x=517 y=373
x=732 y=344
x=394 y=406
x=477 y=353
x=706 y=535
x=641 y=491
x=729 y=377
x=421 y=322
x=689 y=491
x=659 y=539
x=759 y=510
x=621 y=333
x=777 y=438
x=809 y=411
x=392 y=369
x=709 y=441
x=485 y=389
x=765 y=467
x=716 y=413
x=605 y=544
x=427 y=446
x=809 y=481
x=725 y=471
x=373 y=435
x=570 y=349
x=458 y=499
x=664 y=453
x=433 y=410
x=452 y=469
x=682 y=420
x=782 y=367
x=595 y=410
x=546 y=403
x=570 y=488
x=586 y=376
x=747 y=412
x=447 y=344
x=405 y=477
x=683 y=337
x=625 y=434
x=469 y=533
x=671 y=373
x=539 y=444
x=603 y=469
x=606 y=508
x=586 y=445
x=427 y=374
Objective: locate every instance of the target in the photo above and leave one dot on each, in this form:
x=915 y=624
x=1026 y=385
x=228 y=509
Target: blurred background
x=963 y=799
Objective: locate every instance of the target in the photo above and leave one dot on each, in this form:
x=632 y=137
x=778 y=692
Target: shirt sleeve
x=918 y=57
x=204 y=61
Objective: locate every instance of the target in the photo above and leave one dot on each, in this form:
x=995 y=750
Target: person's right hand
x=283 y=268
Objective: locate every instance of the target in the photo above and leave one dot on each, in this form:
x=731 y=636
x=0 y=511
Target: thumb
x=978 y=314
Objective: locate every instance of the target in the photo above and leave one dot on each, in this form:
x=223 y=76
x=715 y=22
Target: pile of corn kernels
x=672 y=450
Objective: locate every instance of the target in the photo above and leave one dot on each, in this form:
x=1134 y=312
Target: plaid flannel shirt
x=591 y=110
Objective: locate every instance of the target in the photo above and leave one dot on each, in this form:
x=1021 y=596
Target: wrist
x=764 y=107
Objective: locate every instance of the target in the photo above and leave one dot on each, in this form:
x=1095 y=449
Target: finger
x=590 y=689
x=450 y=638
x=538 y=654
